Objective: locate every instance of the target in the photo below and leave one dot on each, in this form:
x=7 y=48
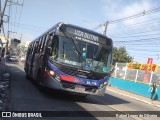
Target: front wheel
x=40 y=79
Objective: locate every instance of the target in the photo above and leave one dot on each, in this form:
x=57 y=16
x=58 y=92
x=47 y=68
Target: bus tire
x=39 y=79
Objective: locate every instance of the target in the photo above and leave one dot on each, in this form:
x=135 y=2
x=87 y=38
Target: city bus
x=70 y=58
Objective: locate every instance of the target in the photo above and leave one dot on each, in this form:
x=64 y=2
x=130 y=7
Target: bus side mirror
x=49 y=50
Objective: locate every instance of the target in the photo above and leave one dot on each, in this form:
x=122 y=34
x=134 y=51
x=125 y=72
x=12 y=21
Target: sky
x=140 y=36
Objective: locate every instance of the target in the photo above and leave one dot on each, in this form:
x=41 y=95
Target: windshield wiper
x=97 y=52
x=77 y=49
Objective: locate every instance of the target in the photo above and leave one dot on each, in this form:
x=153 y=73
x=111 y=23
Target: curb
x=134 y=98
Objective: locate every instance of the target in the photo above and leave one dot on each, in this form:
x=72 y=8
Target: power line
x=145 y=12
x=20 y=17
x=138 y=46
x=15 y=16
x=140 y=32
x=2 y=14
x=144 y=22
x=32 y=29
x=135 y=35
x=32 y=26
x=138 y=27
x=142 y=54
x=139 y=40
x=143 y=49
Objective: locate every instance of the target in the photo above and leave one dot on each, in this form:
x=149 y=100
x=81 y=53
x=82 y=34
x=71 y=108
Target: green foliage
x=121 y=55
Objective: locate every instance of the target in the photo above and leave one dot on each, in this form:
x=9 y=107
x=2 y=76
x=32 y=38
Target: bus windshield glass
x=83 y=55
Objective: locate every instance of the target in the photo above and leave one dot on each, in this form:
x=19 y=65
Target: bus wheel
x=39 y=79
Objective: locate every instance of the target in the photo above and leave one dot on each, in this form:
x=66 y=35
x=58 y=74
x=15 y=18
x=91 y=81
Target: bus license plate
x=79 y=88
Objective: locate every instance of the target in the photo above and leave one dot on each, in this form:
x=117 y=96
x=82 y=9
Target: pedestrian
x=153 y=89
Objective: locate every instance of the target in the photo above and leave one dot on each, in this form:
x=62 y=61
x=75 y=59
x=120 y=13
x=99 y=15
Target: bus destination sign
x=84 y=36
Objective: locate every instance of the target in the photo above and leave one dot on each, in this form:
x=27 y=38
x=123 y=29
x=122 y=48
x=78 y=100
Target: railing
x=148 y=77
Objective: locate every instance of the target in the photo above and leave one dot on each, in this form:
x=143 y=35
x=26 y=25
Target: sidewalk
x=2 y=69
x=4 y=87
x=134 y=96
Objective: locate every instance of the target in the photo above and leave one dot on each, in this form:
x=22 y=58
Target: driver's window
x=55 y=48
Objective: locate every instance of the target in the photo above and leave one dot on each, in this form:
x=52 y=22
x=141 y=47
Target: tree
x=121 y=55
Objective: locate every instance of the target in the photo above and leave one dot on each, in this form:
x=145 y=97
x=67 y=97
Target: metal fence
x=147 y=77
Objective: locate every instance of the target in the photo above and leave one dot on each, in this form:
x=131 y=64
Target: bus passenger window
x=43 y=44
x=36 y=46
x=50 y=40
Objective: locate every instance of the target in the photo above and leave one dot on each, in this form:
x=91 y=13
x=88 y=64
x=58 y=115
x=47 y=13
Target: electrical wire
x=153 y=30
x=135 y=24
x=140 y=27
x=145 y=12
x=19 y=17
x=15 y=16
x=114 y=36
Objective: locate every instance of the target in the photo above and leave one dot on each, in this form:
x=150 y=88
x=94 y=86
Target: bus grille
x=72 y=86
x=74 y=72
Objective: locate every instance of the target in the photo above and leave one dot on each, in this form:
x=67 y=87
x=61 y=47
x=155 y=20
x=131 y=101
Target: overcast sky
x=36 y=16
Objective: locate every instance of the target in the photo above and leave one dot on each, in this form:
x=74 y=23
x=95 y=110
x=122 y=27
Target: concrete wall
x=131 y=86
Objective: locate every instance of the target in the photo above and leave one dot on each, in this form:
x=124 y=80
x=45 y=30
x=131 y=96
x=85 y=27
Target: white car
x=13 y=58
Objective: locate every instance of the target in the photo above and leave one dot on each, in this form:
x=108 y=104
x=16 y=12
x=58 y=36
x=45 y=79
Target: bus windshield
x=80 y=54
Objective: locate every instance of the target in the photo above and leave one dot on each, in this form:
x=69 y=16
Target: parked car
x=13 y=58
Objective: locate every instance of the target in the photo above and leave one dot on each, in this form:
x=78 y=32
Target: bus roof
x=73 y=26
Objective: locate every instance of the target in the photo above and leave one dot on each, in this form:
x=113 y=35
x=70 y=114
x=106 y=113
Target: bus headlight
x=52 y=72
x=54 y=75
x=105 y=83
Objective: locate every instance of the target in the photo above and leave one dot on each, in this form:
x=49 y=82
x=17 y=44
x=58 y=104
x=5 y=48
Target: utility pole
x=8 y=29
x=0 y=7
x=10 y=3
x=2 y=14
x=105 y=27
x=8 y=39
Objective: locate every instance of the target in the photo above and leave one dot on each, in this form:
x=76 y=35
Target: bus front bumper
x=75 y=88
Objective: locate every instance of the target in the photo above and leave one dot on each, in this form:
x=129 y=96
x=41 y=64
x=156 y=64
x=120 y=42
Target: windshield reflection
x=91 y=56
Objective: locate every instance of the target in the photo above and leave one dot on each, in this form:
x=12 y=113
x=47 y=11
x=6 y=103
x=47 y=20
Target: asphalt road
x=26 y=96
